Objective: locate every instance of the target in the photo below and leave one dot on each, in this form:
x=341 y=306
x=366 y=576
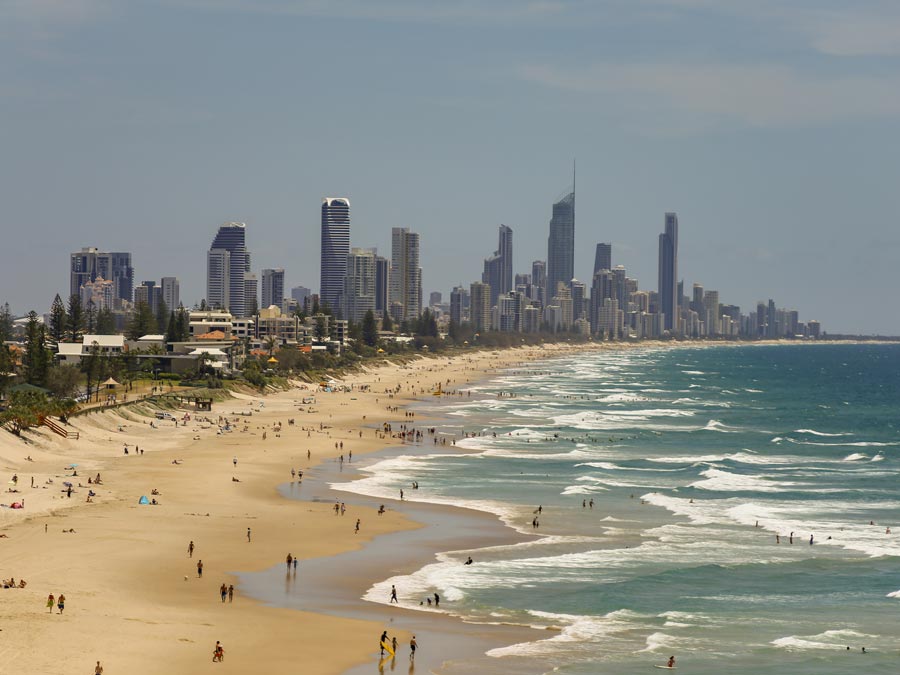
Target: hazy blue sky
x=772 y=128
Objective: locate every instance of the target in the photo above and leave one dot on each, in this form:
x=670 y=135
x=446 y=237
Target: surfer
x=468 y=561
x=671 y=663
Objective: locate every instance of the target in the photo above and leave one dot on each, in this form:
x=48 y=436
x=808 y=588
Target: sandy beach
x=134 y=599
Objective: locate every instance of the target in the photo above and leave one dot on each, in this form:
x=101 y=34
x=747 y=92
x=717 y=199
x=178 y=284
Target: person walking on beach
x=356 y=531
x=437 y=600
x=394 y=594
x=218 y=652
x=413 y=645
x=248 y=534
x=234 y=461
x=223 y=591
x=61 y=603
x=191 y=549
x=99 y=669
x=231 y=593
x=200 y=569
x=382 y=640
x=394 y=644
x=289 y=560
x=50 y=602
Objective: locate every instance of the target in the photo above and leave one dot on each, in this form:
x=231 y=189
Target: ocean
x=696 y=459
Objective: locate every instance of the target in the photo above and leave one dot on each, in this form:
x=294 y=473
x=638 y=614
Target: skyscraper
x=382 y=276
x=668 y=273
x=335 y=249
x=498 y=268
x=227 y=265
x=406 y=275
x=171 y=292
x=539 y=281
x=89 y=263
x=561 y=244
x=359 y=285
x=479 y=306
x=603 y=258
x=272 y=287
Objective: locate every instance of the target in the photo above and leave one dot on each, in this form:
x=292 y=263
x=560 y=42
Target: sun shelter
x=111 y=384
x=143 y=500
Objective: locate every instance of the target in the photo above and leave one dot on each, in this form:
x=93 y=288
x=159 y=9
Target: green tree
x=58 y=320
x=36 y=360
x=6 y=323
x=106 y=322
x=386 y=323
x=25 y=410
x=184 y=324
x=75 y=314
x=90 y=318
x=142 y=322
x=63 y=380
x=162 y=316
x=426 y=325
x=172 y=329
x=370 y=329
x=321 y=328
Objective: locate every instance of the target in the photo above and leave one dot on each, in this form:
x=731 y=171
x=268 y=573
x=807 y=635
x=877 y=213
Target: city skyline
x=770 y=130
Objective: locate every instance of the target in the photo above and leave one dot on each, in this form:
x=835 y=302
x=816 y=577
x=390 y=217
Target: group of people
x=12 y=583
x=60 y=603
x=384 y=642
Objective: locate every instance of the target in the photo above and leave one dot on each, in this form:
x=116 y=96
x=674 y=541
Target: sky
x=772 y=128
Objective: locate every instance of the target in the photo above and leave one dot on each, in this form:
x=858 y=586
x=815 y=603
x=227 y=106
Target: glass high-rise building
x=405 y=276
x=89 y=263
x=227 y=267
x=498 y=269
x=603 y=258
x=335 y=249
x=561 y=245
x=272 y=288
x=668 y=273
x=359 y=285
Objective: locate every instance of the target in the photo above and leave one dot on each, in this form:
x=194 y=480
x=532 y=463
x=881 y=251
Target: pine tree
x=386 y=323
x=58 y=320
x=36 y=360
x=172 y=329
x=162 y=316
x=370 y=329
x=184 y=324
x=6 y=323
x=75 y=314
x=90 y=318
x=142 y=322
x=106 y=322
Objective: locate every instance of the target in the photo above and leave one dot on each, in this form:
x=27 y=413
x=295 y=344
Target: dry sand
x=134 y=600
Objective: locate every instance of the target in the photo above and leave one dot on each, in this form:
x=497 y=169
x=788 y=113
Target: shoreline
x=134 y=598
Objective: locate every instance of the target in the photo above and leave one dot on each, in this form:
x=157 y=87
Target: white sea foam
x=724 y=481
x=830 y=639
x=716 y=425
x=855 y=457
x=813 y=432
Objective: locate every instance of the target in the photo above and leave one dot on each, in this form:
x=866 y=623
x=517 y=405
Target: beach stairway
x=58 y=429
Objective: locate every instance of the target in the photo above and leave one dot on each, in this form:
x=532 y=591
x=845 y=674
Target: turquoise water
x=695 y=458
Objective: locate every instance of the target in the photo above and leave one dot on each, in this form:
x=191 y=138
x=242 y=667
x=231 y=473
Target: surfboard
x=666 y=667
x=387 y=647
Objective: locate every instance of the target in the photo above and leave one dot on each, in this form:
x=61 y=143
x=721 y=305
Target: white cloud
x=764 y=95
